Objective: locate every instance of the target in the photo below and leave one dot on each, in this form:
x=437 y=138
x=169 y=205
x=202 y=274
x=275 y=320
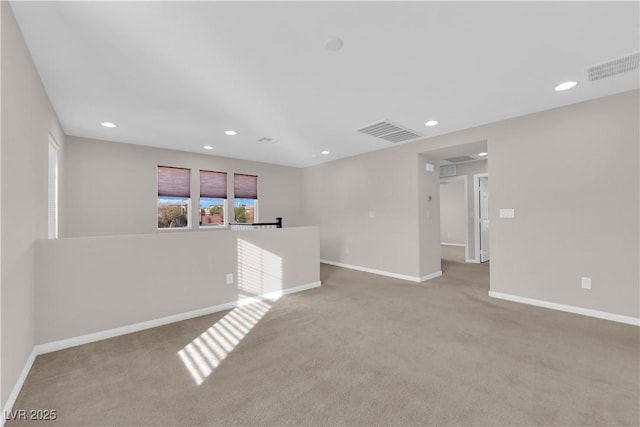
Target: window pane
x=244 y=210
x=173 y=212
x=212 y=211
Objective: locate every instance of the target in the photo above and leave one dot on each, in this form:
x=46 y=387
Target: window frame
x=225 y=216
x=189 y=199
x=53 y=191
x=219 y=192
x=255 y=200
x=255 y=210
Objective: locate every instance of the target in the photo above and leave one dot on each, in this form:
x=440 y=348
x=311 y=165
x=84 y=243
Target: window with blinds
x=213 y=199
x=245 y=198
x=174 y=197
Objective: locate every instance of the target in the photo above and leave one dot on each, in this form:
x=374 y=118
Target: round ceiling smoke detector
x=333 y=44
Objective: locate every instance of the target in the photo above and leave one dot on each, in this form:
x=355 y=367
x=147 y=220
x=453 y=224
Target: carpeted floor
x=361 y=350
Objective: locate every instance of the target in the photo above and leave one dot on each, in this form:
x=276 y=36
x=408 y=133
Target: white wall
x=560 y=169
x=453 y=213
x=571 y=174
x=366 y=208
x=93 y=284
x=110 y=188
x=27 y=120
x=428 y=232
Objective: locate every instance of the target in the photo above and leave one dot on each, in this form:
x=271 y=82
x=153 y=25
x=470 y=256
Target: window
x=245 y=203
x=213 y=199
x=53 y=188
x=174 y=197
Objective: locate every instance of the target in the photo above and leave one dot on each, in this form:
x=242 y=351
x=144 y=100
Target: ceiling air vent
x=460 y=159
x=267 y=140
x=449 y=170
x=617 y=66
x=389 y=131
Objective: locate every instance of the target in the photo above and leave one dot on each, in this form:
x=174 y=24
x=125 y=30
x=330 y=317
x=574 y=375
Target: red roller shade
x=245 y=186
x=213 y=184
x=174 y=182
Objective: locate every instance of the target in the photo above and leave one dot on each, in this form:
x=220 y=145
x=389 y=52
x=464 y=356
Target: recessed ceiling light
x=314 y=155
x=483 y=154
x=565 y=86
x=325 y=152
x=208 y=147
x=231 y=132
x=431 y=123
x=108 y=124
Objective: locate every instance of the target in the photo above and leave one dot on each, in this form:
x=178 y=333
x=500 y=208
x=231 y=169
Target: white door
x=483 y=198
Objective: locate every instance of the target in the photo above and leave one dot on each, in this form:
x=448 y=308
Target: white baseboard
x=568 y=308
x=431 y=276
x=11 y=400
x=453 y=244
x=110 y=333
x=383 y=273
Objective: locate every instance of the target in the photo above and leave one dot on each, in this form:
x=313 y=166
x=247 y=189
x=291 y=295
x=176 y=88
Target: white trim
x=11 y=400
x=476 y=213
x=454 y=244
x=53 y=187
x=462 y=178
x=431 y=276
x=568 y=308
x=110 y=333
x=383 y=273
x=53 y=141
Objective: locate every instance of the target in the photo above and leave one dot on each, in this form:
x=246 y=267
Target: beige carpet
x=361 y=350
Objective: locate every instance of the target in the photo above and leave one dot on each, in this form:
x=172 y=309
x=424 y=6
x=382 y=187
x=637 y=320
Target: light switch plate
x=507 y=213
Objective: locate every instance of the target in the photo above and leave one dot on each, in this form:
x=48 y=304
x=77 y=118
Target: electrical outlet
x=586 y=283
x=230 y=279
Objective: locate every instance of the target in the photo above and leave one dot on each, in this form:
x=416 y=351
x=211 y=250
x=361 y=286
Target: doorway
x=453 y=217
x=481 y=214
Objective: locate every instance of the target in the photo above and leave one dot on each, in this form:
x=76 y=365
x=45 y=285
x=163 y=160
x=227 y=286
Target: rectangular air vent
x=617 y=66
x=449 y=170
x=460 y=159
x=267 y=140
x=389 y=131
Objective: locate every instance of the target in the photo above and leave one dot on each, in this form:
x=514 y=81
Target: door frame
x=476 y=213
x=463 y=178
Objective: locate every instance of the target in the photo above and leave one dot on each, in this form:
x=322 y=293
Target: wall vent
x=617 y=66
x=389 y=131
x=446 y=171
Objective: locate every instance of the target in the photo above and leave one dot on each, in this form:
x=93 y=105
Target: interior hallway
x=361 y=350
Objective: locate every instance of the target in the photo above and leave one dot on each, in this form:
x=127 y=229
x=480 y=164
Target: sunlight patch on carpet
x=259 y=282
